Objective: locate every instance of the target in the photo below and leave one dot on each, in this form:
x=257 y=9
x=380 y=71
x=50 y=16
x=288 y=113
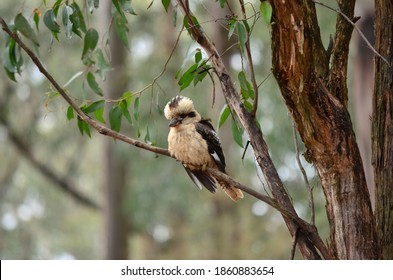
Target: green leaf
x=127 y=7
x=122 y=29
x=97 y=105
x=77 y=19
x=11 y=75
x=67 y=23
x=147 y=137
x=237 y=133
x=198 y=55
x=36 y=19
x=266 y=11
x=83 y=127
x=50 y=23
x=166 y=4
x=246 y=88
x=103 y=65
x=99 y=114
x=232 y=27
x=188 y=76
x=224 y=114
x=23 y=26
x=124 y=109
x=242 y=34
x=222 y=3
x=90 y=41
x=56 y=7
x=115 y=115
x=70 y=113
x=91 y=80
x=127 y=96
x=93 y=4
x=136 y=109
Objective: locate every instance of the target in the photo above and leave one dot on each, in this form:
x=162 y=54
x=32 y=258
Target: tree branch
x=307 y=248
x=64 y=184
x=96 y=125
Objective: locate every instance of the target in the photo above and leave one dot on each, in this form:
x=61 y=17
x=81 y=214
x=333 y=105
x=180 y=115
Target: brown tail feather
x=234 y=193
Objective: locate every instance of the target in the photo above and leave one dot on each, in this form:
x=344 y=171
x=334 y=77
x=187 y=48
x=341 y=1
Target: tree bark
x=382 y=127
x=316 y=97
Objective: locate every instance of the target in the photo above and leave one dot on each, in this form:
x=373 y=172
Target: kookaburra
x=193 y=141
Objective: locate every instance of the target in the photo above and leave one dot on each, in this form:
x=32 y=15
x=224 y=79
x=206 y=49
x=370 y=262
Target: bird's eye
x=183 y=115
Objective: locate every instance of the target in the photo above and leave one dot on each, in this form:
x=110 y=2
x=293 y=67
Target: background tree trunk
x=115 y=166
x=316 y=97
x=383 y=127
x=363 y=84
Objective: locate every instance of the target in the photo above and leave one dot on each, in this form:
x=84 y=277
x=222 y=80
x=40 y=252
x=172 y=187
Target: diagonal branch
x=96 y=125
x=307 y=246
x=62 y=182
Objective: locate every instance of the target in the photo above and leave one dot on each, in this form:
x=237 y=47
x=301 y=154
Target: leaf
x=127 y=96
x=222 y=3
x=242 y=34
x=76 y=75
x=122 y=29
x=90 y=41
x=186 y=79
x=103 y=65
x=70 y=113
x=246 y=88
x=124 y=109
x=67 y=23
x=77 y=19
x=50 y=23
x=127 y=7
x=115 y=115
x=147 y=137
x=83 y=127
x=198 y=55
x=97 y=105
x=266 y=11
x=91 y=80
x=224 y=114
x=99 y=114
x=36 y=18
x=93 y=4
x=232 y=27
x=23 y=26
x=237 y=133
x=166 y=4
x=136 y=109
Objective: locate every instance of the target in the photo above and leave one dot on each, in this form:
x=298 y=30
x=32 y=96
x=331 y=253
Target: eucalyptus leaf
x=23 y=26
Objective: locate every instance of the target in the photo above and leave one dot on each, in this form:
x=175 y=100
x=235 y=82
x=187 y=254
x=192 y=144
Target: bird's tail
x=234 y=193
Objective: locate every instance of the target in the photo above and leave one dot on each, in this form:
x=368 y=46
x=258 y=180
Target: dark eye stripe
x=191 y=114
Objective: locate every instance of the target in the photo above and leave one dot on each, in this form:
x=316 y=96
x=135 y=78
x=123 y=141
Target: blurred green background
x=163 y=215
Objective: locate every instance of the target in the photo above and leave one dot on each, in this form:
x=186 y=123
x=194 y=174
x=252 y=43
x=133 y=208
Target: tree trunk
x=316 y=97
x=114 y=164
x=363 y=84
x=383 y=127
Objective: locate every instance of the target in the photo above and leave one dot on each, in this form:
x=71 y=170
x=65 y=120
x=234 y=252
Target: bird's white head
x=180 y=110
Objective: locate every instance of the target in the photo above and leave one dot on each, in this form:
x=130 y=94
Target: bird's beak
x=174 y=122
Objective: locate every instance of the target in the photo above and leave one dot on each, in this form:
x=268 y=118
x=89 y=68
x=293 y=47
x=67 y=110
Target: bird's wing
x=206 y=130
x=201 y=179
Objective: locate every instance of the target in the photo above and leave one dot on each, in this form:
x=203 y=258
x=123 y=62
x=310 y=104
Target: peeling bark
x=316 y=97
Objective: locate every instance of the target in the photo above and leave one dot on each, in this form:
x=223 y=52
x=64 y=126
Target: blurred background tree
x=64 y=195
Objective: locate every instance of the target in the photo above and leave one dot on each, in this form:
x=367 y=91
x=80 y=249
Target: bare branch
x=357 y=29
x=309 y=188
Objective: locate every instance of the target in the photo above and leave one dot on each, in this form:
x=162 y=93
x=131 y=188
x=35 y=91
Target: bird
x=193 y=141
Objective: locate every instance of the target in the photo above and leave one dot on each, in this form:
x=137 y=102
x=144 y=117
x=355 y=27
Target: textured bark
x=316 y=97
x=383 y=127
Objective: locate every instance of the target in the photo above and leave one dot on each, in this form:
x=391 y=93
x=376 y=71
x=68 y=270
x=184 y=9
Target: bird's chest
x=188 y=146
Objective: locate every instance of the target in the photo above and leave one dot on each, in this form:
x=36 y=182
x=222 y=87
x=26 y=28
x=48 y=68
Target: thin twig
x=294 y=243
x=357 y=29
x=309 y=188
x=96 y=125
x=250 y=65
